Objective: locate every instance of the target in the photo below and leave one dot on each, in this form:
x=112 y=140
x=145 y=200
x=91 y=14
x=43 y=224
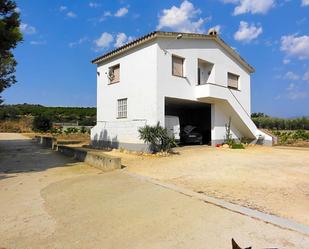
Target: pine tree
x=10 y=36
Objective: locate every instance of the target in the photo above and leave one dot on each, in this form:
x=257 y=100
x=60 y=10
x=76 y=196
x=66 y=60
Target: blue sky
x=62 y=36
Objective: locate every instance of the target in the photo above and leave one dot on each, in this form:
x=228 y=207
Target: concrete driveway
x=50 y=201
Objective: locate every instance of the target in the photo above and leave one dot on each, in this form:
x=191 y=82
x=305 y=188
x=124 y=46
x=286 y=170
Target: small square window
x=122 y=108
x=114 y=74
x=177 y=66
x=232 y=80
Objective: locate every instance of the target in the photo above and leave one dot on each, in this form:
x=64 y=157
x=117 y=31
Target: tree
x=42 y=123
x=10 y=36
x=258 y=115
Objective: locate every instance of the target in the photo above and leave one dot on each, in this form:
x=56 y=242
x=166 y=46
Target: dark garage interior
x=191 y=113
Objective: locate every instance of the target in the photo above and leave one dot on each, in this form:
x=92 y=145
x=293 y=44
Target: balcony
x=212 y=92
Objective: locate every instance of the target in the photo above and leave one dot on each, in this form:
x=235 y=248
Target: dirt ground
x=272 y=180
x=50 y=201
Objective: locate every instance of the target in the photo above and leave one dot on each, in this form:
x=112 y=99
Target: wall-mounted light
x=179 y=36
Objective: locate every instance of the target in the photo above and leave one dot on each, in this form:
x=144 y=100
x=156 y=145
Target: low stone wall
x=98 y=160
x=274 y=138
x=63 y=142
x=45 y=141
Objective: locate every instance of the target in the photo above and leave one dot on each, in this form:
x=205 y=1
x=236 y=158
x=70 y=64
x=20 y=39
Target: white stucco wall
x=138 y=83
x=192 y=50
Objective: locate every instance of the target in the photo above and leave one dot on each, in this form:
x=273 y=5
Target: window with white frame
x=232 y=80
x=122 y=108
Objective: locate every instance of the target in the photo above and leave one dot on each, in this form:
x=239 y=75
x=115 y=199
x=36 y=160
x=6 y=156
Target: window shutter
x=233 y=80
x=116 y=74
x=177 y=66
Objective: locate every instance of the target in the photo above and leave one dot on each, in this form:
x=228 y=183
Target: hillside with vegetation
x=19 y=118
x=264 y=121
x=292 y=131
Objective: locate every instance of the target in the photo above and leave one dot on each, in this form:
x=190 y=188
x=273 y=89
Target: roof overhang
x=161 y=34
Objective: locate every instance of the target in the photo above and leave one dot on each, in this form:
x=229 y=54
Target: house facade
x=195 y=77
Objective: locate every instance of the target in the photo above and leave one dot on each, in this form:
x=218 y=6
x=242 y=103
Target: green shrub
x=228 y=135
x=42 y=123
x=56 y=131
x=301 y=134
x=263 y=121
x=83 y=130
x=157 y=137
x=237 y=146
x=245 y=140
x=71 y=130
x=292 y=136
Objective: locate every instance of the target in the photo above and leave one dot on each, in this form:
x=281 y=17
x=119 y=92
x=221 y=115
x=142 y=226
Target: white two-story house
x=196 y=77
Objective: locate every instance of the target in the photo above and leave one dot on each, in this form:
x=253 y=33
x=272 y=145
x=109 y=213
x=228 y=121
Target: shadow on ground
x=23 y=155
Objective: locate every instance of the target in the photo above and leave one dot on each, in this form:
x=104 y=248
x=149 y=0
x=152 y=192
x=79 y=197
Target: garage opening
x=191 y=114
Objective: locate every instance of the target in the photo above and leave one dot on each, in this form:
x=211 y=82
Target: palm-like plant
x=157 y=137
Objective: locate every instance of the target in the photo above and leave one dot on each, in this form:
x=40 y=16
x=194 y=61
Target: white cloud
x=251 y=6
x=94 y=5
x=71 y=14
x=121 y=12
x=122 y=39
x=37 y=42
x=306 y=76
x=67 y=12
x=294 y=93
x=182 y=18
x=301 y=21
x=297 y=46
x=27 y=29
x=230 y=1
x=63 y=8
x=291 y=87
x=247 y=33
x=104 y=41
x=107 y=13
x=286 y=61
x=291 y=76
x=79 y=42
x=305 y=3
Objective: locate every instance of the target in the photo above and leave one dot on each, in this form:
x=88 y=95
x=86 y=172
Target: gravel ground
x=272 y=180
